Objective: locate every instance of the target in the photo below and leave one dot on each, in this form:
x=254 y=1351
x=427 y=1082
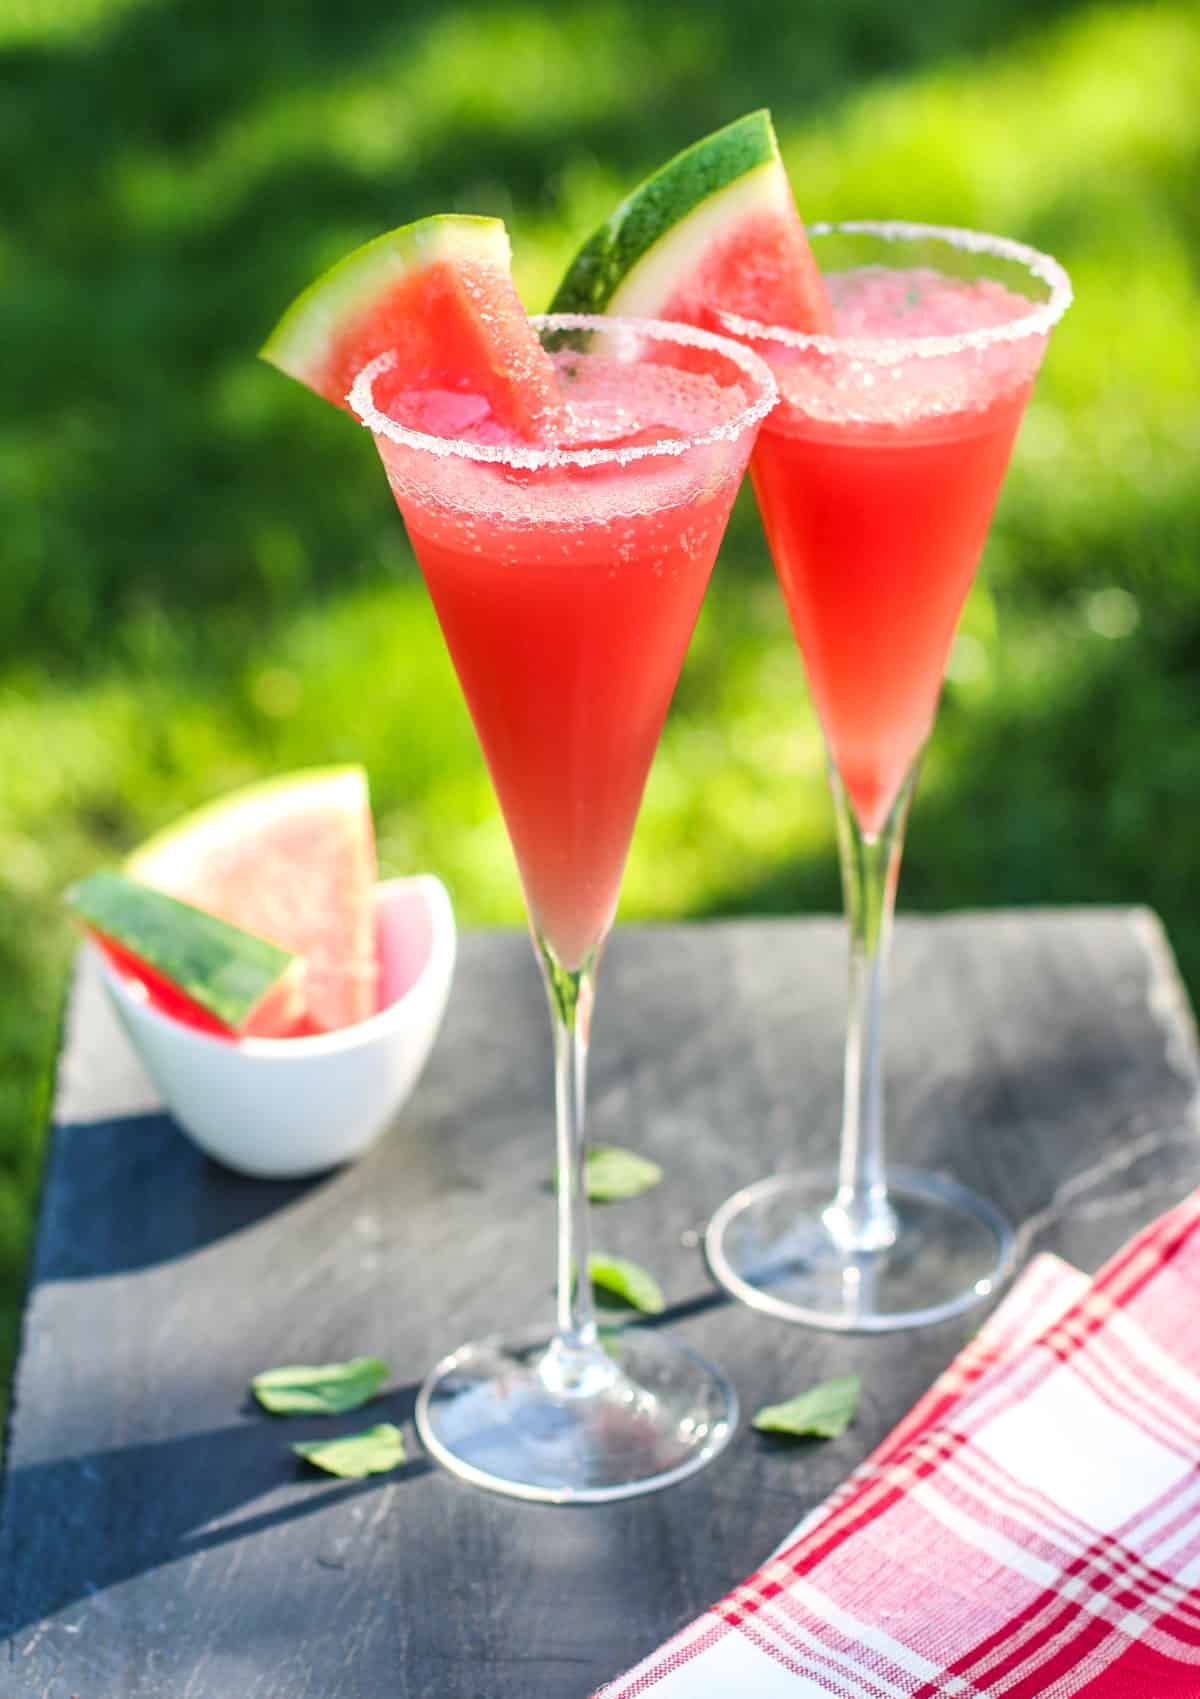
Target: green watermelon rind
x=626 y=267
x=216 y=822
x=301 y=342
x=221 y=968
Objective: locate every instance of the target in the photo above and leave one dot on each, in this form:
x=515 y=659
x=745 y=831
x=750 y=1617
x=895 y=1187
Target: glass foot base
x=770 y=1247
x=645 y=1412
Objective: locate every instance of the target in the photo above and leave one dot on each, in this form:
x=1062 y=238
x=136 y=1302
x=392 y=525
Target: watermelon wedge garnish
x=292 y=860
x=213 y=975
x=437 y=294
x=716 y=227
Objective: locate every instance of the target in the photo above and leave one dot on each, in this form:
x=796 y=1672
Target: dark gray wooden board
x=159 y=1542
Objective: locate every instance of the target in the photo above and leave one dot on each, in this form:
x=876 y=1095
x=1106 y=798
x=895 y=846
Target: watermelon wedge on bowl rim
x=286 y=1107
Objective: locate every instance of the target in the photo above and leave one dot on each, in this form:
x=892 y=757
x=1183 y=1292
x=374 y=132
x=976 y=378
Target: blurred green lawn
x=204 y=580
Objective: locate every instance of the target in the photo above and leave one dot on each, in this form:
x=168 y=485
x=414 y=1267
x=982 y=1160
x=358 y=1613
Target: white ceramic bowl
x=284 y=1107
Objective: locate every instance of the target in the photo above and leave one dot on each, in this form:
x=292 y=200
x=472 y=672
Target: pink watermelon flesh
x=762 y=269
x=455 y=326
x=293 y=862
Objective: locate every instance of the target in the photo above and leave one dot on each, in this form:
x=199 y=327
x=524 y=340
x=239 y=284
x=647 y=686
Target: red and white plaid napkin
x=1031 y=1528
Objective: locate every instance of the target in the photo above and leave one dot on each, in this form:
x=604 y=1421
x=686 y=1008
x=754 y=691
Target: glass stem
x=575 y=1354
x=860 y=1218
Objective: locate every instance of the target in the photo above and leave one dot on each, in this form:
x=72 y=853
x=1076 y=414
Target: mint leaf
x=372 y=1452
x=823 y=1412
x=628 y=1282
x=328 y=1389
x=613 y=1174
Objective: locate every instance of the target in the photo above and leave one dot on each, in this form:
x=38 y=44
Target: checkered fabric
x=1031 y=1528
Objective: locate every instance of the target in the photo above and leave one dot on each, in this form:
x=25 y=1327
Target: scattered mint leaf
x=628 y=1282
x=328 y=1389
x=372 y=1452
x=613 y=1174
x=823 y=1412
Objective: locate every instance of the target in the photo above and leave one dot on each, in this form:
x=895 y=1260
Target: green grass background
x=203 y=579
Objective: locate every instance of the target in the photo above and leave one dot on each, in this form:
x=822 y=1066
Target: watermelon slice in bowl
x=282 y=1108
x=292 y=860
x=211 y=975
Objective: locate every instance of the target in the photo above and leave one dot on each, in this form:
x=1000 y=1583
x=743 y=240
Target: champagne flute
x=567 y=581
x=876 y=478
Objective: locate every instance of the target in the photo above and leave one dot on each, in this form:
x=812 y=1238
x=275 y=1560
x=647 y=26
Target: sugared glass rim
x=362 y=402
x=890 y=350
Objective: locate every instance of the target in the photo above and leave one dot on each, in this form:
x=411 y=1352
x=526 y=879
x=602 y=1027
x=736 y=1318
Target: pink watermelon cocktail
x=567 y=576
x=568 y=659
x=876 y=499
x=567 y=582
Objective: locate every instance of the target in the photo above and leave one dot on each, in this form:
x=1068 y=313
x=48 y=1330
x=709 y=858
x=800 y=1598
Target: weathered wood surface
x=159 y=1542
